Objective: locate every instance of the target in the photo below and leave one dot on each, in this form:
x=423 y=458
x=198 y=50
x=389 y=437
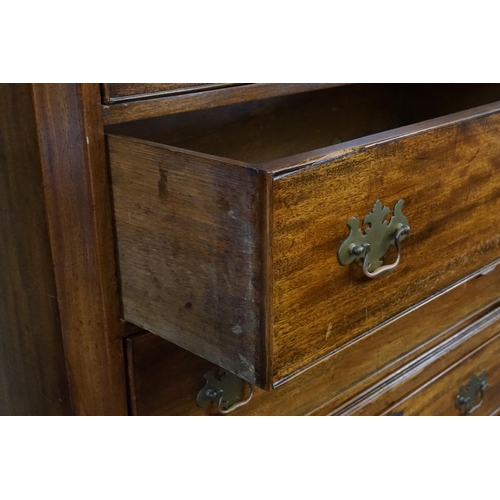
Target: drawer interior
x=269 y=129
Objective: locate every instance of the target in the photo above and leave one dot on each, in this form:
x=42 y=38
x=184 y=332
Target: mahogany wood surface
x=430 y=385
x=71 y=139
x=33 y=377
x=116 y=92
x=164 y=379
x=149 y=108
x=438 y=396
x=448 y=177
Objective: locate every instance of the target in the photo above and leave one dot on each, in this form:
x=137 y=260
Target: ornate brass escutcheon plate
x=372 y=245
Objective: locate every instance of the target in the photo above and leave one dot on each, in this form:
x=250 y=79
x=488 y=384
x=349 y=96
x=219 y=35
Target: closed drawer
x=229 y=221
x=117 y=92
x=459 y=377
x=470 y=387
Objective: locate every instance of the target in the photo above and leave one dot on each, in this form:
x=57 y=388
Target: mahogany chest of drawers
x=331 y=249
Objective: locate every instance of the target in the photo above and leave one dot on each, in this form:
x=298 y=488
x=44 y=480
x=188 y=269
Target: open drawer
x=230 y=221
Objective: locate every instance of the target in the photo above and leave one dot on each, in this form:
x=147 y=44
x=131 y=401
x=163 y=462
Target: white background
x=240 y=458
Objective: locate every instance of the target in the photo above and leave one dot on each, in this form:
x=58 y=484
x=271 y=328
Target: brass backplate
x=471 y=394
x=220 y=381
x=380 y=235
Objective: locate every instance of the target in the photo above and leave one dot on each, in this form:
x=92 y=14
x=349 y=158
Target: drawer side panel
x=188 y=247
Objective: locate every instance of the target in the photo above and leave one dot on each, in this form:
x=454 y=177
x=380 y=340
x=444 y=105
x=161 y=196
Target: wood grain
x=117 y=92
x=188 y=237
x=430 y=385
x=33 y=378
x=71 y=138
x=165 y=379
x=437 y=397
x=139 y=110
x=448 y=179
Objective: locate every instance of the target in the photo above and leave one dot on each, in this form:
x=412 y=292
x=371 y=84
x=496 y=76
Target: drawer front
x=117 y=92
x=469 y=387
x=460 y=377
x=447 y=172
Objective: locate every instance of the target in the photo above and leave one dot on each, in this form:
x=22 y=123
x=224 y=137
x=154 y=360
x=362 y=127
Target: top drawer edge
x=113 y=93
x=290 y=165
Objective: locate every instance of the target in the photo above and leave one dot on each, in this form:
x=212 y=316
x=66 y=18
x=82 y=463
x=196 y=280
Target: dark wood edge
x=151 y=108
x=266 y=309
x=105 y=97
x=108 y=99
x=128 y=329
x=291 y=164
x=78 y=209
x=480 y=271
x=174 y=149
x=129 y=364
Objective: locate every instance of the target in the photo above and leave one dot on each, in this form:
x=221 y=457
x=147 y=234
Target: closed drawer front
x=471 y=387
x=117 y=92
x=229 y=221
x=460 y=377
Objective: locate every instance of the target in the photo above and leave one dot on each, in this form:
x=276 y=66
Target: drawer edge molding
x=478 y=330
x=112 y=93
x=151 y=108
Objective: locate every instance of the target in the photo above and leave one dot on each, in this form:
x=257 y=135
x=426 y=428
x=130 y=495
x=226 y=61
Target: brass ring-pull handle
x=471 y=395
x=235 y=406
x=381 y=271
x=372 y=244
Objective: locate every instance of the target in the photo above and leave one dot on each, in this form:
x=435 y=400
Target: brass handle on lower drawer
x=376 y=240
x=225 y=389
x=471 y=395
